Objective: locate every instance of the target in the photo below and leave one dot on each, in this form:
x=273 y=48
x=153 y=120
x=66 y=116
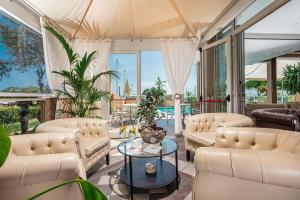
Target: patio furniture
x=248 y=164
x=130 y=108
x=281 y=118
x=119 y=116
x=195 y=107
x=38 y=161
x=93 y=137
x=200 y=129
x=133 y=172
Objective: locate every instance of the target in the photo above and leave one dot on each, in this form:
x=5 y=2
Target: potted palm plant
x=148 y=110
x=80 y=90
x=291 y=79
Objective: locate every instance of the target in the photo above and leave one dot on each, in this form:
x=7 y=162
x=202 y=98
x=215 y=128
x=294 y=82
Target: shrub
x=10 y=114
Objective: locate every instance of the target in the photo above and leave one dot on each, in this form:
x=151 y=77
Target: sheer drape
x=178 y=56
x=99 y=65
x=55 y=59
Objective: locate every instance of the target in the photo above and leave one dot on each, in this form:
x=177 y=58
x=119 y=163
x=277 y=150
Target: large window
x=152 y=67
x=126 y=65
x=22 y=68
x=190 y=88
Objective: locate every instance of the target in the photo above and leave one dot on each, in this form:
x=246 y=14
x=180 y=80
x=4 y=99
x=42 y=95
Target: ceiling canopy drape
x=140 y=19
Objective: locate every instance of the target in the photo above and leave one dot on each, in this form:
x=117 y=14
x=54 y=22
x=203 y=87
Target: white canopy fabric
x=258 y=71
x=99 y=19
x=55 y=59
x=100 y=64
x=178 y=56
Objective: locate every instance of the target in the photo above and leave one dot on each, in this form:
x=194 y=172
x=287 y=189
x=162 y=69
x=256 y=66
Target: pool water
x=170 y=109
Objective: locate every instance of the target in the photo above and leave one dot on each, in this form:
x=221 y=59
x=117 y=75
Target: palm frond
x=71 y=55
x=109 y=74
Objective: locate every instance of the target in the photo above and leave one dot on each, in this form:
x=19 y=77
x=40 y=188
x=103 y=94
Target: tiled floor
x=107 y=177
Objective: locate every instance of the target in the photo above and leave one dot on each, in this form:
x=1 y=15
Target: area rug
x=108 y=181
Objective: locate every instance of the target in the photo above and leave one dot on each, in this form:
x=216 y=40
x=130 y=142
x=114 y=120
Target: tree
x=260 y=86
x=291 y=78
x=25 y=51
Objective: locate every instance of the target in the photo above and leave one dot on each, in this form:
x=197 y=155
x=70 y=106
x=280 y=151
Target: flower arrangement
x=124 y=131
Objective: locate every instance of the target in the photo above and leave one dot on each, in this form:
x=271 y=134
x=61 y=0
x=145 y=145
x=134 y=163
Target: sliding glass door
x=217 y=76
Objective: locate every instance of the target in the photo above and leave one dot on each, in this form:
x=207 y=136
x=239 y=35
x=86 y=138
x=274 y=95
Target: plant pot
x=152 y=135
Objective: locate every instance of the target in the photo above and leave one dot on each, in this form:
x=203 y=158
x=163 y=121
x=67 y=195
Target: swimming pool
x=170 y=109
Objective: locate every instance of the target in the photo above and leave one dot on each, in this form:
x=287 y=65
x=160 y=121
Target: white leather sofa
x=93 y=137
x=248 y=164
x=200 y=129
x=38 y=161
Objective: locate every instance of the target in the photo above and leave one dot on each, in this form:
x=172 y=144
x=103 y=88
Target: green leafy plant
x=291 y=79
x=5 y=144
x=151 y=99
x=260 y=86
x=80 y=89
x=10 y=114
x=89 y=191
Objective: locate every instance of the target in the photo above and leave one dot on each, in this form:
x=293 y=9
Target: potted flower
x=148 y=110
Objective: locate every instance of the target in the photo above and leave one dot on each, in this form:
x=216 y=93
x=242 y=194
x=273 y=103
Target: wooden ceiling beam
x=83 y=18
x=184 y=18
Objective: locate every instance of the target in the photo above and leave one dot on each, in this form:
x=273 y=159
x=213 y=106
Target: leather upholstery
x=281 y=118
x=200 y=129
x=262 y=163
x=38 y=161
x=92 y=135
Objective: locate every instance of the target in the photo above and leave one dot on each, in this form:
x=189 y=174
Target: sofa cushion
x=205 y=138
x=92 y=145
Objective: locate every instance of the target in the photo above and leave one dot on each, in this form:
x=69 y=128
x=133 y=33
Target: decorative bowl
x=151 y=135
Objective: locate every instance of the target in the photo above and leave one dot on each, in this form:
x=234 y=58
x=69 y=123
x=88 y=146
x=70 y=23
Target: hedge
x=10 y=114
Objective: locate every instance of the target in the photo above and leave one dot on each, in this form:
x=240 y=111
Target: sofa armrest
x=267 y=167
x=44 y=143
x=20 y=171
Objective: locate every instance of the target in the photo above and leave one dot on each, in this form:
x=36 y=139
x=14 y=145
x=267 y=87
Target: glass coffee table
x=133 y=172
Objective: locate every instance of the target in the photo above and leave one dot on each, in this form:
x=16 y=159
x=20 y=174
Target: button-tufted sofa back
x=46 y=143
x=88 y=127
x=258 y=139
x=209 y=122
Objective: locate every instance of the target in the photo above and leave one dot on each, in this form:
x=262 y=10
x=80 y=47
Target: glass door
x=217 y=76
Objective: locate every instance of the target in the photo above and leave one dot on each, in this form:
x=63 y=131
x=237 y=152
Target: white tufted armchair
x=93 y=137
x=38 y=161
x=248 y=164
x=200 y=129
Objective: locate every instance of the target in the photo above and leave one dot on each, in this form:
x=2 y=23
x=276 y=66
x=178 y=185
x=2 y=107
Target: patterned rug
x=107 y=178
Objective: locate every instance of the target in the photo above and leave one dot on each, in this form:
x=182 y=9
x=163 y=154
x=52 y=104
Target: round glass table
x=133 y=172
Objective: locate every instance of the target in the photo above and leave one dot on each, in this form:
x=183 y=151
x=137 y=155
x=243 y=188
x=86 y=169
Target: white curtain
x=178 y=56
x=55 y=58
x=99 y=65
